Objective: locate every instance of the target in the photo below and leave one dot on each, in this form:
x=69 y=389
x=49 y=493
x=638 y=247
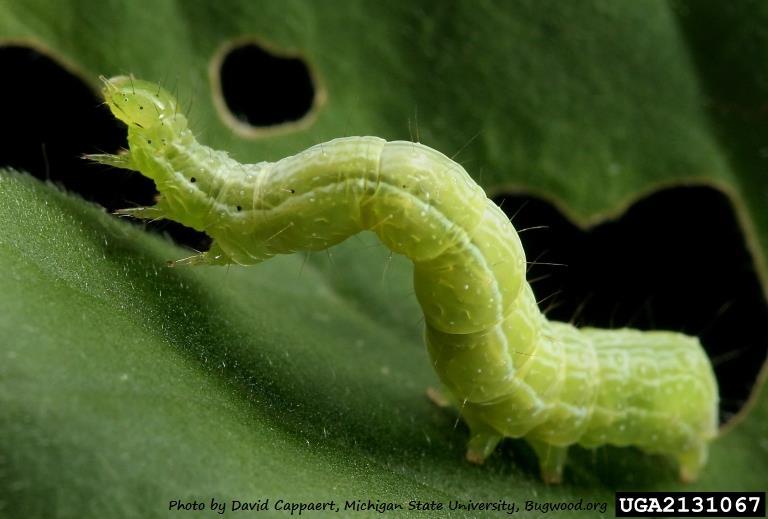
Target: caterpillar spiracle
x=515 y=373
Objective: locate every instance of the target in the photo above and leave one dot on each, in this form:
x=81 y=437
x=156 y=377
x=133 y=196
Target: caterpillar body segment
x=510 y=371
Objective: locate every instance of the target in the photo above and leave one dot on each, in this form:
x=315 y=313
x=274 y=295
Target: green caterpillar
x=513 y=372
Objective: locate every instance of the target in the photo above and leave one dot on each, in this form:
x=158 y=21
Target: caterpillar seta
x=513 y=372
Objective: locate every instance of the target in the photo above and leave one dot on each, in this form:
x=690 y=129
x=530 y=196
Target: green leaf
x=125 y=384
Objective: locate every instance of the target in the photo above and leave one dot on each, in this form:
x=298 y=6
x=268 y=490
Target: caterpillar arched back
x=515 y=373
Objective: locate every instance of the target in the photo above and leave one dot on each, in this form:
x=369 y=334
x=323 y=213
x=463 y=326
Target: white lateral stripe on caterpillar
x=511 y=372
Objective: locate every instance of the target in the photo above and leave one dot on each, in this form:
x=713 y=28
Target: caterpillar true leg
x=512 y=372
x=213 y=256
x=122 y=161
x=144 y=213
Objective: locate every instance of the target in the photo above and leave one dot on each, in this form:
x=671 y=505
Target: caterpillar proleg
x=513 y=372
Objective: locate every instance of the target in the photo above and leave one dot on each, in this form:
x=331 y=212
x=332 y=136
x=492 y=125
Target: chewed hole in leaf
x=51 y=117
x=675 y=260
x=262 y=92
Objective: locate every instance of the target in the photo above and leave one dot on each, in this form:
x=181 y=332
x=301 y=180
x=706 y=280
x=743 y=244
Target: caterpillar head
x=141 y=104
